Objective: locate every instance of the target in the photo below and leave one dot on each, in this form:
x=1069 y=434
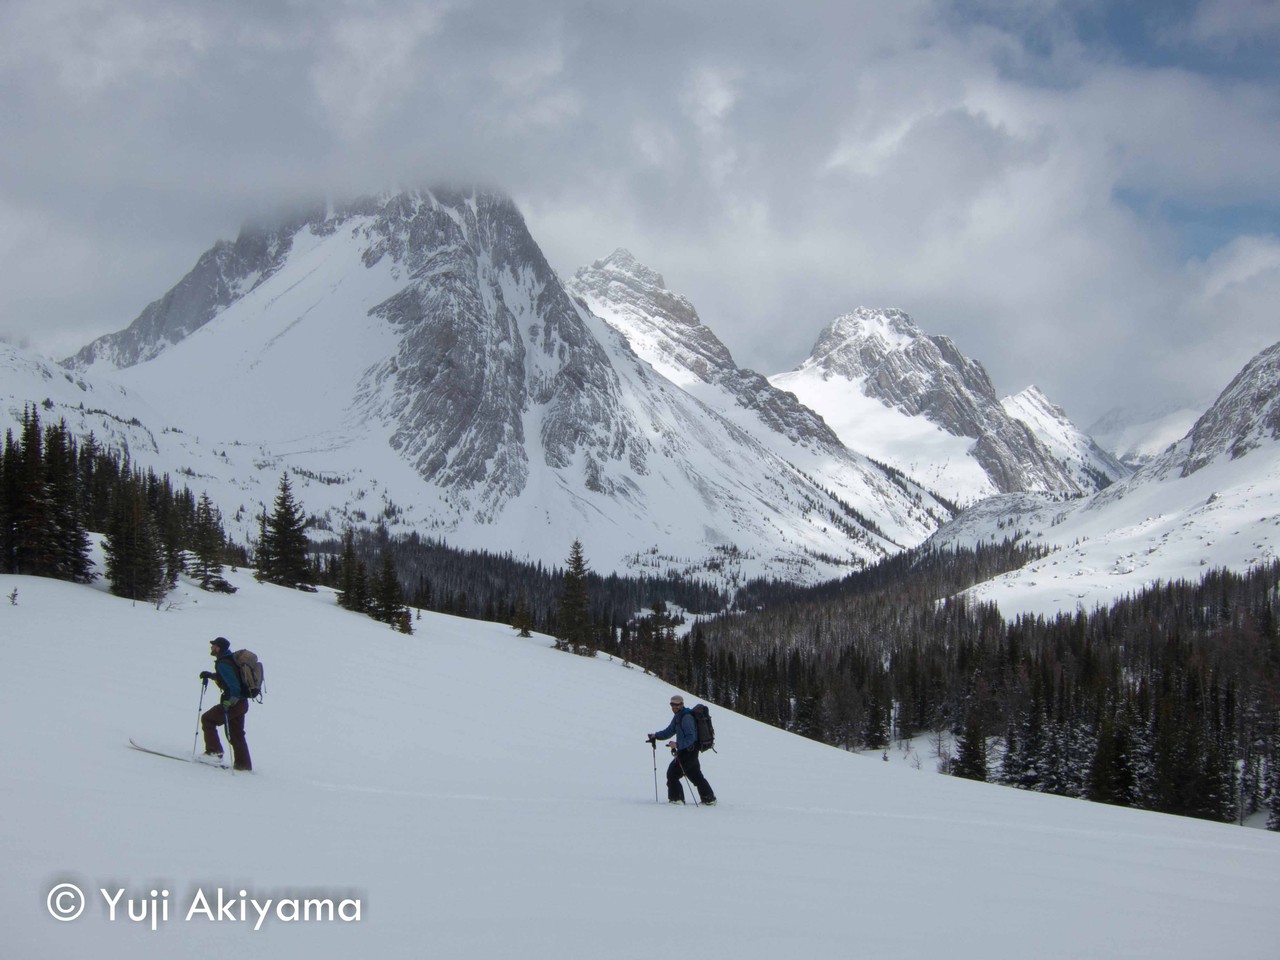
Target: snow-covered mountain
x=483 y=797
x=415 y=361
x=664 y=329
x=1091 y=466
x=123 y=420
x=915 y=402
x=1137 y=436
x=1244 y=418
x=1211 y=500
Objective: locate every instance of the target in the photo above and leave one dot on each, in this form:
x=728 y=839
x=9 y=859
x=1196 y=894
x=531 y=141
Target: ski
x=171 y=756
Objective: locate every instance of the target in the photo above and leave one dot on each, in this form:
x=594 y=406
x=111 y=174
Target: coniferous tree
x=404 y=623
x=262 y=554
x=361 y=597
x=208 y=544
x=347 y=594
x=573 y=630
x=10 y=502
x=283 y=541
x=521 y=619
x=1111 y=772
x=69 y=551
x=388 y=598
x=971 y=750
x=134 y=557
x=171 y=524
x=35 y=532
x=876 y=733
x=1273 y=777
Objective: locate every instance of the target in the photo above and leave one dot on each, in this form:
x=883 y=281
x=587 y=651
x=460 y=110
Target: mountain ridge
x=429 y=325
x=878 y=379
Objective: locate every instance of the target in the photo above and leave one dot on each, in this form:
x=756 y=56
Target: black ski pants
x=686 y=764
x=215 y=717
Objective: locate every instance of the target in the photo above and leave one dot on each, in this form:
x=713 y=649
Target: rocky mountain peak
x=626 y=269
x=901 y=366
x=879 y=331
x=884 y=356
x=639 y=293
x=1245 y=416
x=661 y=326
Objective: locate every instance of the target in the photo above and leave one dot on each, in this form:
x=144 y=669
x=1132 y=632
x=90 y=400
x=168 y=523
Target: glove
x=206 y=675
x=651 y=739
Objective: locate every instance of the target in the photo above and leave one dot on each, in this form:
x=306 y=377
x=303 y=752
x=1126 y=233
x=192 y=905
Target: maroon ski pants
x=215 y=717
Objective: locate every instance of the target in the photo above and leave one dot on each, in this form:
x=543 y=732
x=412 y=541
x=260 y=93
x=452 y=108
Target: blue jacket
x=229 y=679
x=684 y=727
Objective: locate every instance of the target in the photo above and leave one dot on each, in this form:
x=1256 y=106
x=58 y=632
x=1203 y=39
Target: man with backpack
x=685 y=750
x=231 y=708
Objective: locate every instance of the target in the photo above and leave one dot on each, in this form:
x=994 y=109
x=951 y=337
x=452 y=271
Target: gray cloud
x=778 y=166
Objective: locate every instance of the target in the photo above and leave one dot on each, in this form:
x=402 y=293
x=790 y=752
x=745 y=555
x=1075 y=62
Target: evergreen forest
x=1167 y=701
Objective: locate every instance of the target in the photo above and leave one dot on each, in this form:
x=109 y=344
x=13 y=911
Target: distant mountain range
x=415 y=363
x=1210 y=500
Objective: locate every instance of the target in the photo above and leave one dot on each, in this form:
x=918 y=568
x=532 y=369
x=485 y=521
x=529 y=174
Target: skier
x=685 y=752
x=231 y=708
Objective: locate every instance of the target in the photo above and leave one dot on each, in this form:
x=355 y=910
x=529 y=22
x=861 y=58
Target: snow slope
x=1224 y=516
x=483 y=796
x=1212 y=500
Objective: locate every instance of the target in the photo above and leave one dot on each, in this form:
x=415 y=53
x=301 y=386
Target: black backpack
x=706 y=732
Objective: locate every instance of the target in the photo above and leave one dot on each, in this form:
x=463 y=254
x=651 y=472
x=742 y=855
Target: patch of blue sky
x=1200 y=228
x=1153 y=34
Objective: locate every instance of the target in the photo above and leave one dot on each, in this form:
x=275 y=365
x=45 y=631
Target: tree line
x=55 y=489
x=499 y=587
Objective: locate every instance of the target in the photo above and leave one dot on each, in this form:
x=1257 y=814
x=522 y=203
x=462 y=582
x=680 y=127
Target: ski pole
x=204 y=685
x=226 y=727
x=654 y=743
x=693 y=789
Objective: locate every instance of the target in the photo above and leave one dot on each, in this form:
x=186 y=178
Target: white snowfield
x=468 y=794
x=1149 y=529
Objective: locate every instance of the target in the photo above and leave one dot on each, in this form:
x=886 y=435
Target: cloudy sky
x=1084 y=195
